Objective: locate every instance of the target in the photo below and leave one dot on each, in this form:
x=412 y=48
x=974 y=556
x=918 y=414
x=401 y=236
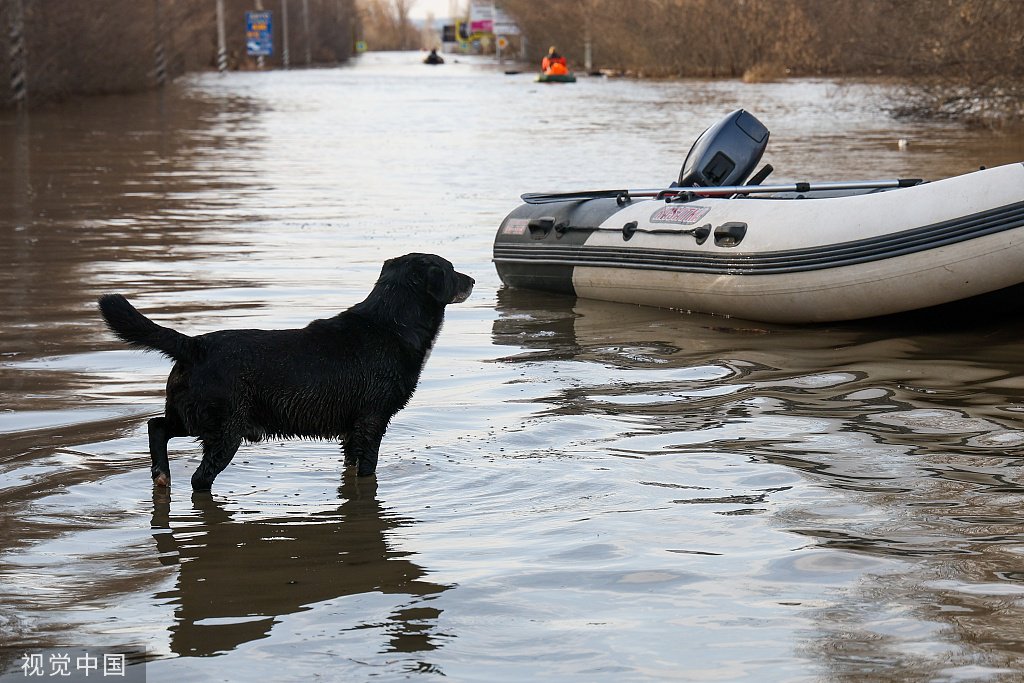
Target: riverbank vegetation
x=959 y=59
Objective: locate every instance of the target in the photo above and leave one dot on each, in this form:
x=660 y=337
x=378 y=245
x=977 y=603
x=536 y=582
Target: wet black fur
x=339 y=378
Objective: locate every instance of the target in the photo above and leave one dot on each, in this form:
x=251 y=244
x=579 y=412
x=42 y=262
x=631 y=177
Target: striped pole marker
x=159 y=57
x=19 y=82
x=222 y=49
x=161 y=64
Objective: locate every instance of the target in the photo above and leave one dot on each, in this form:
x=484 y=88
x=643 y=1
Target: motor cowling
x=726 y=153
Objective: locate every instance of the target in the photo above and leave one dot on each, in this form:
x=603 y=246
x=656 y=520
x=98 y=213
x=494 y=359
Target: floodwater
x=577 y=491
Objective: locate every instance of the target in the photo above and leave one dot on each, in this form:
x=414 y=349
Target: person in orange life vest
x=554 y=64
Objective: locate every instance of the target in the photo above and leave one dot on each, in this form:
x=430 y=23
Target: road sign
x=259 y=36
x=504 y=25
x=481 y=16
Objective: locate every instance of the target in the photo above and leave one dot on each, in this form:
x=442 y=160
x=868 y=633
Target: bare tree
x=386 y=25
x=961 y=59
x=73 y=48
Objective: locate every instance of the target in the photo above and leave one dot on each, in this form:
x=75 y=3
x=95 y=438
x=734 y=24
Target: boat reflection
x=238 y=577
x=560 y=326
x=904 y=429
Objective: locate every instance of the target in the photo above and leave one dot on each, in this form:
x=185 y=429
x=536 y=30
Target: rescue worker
x=554 y=64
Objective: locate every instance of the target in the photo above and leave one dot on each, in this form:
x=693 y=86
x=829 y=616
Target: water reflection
x=95 y=184
x=906 y=431
x=238 y=576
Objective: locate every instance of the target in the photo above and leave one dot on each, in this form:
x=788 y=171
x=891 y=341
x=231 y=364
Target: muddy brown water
x=577 y=491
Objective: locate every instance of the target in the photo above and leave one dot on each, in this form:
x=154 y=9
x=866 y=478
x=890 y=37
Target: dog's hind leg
x=217 y=453
x=161 y=430
x=351 y=459
x=363 y=444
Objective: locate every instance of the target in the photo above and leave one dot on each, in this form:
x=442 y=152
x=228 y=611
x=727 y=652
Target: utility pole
x=284 y=33
x=259 y=58
x=587 y=10
x=588 y=54
x=588 y=59
x=338 y=25
x=305 y=28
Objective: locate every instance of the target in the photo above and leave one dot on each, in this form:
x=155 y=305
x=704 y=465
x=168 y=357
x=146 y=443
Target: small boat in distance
x=719 y=241
x=555 y=68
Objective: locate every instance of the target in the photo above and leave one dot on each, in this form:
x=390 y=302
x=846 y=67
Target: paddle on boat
x=719 y=241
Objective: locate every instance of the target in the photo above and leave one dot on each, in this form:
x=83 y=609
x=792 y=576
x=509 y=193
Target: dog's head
x=433 y=274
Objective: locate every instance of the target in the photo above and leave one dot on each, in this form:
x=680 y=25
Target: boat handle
x=730 y=234
x=540 y=227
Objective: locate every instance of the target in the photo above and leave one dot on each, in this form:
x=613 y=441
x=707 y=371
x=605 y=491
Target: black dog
x=340 y=378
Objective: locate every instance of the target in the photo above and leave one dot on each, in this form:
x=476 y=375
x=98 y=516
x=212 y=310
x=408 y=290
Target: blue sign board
x=259 y=37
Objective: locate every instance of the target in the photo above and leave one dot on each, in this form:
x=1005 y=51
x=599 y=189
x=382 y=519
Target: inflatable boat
x=720 y=241
x=556 y=78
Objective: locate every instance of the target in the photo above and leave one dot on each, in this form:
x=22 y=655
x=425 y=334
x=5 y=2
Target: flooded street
x=578 y=490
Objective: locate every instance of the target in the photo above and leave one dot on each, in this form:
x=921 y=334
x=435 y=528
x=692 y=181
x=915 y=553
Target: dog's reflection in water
x=236 y=576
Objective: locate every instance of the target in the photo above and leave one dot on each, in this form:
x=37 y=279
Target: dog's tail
x=136 y=329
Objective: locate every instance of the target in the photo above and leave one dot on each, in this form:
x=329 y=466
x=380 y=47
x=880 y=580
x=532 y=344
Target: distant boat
x=797 y=253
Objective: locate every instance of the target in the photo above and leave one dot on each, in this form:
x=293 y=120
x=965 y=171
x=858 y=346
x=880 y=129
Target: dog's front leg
x=363 y=444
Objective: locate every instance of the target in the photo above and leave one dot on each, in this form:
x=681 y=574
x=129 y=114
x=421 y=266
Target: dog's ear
x=439 y=285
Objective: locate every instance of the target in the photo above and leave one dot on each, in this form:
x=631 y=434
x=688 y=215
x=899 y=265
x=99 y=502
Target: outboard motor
x=726 y=153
